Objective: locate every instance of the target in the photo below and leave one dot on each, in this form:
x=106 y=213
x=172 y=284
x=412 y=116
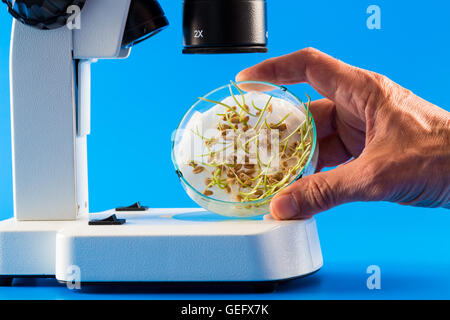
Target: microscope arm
x=43 y=123
x=50 y=109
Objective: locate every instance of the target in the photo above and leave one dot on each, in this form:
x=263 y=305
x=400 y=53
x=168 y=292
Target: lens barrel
x=224 y=26
x=145 y=19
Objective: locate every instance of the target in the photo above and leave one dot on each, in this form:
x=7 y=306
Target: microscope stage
x=172 y=245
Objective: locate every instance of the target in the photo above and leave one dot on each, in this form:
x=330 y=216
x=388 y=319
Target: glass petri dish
x=234 y=208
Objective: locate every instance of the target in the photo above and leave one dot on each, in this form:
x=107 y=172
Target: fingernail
x=240 y=76
x=285 y=207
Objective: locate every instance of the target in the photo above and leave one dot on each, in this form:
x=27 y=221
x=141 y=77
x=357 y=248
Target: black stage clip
x=110 y=221
x=134 y=207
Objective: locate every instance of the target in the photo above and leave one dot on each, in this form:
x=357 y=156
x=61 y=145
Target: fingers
x=332 y=78
x=353 y=138
x=338 y=140
x=322 y=191
x=324 y=114
x=332 y=152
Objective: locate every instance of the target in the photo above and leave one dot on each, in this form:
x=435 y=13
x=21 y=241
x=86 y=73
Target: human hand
x=390 y=144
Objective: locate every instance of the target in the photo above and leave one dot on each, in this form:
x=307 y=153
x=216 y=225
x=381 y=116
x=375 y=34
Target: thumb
x=322 y=191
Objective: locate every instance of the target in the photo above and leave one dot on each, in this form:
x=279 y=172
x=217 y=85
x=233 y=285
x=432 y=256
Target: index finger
x=334 y=79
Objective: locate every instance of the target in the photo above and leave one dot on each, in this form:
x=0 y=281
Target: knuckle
x=310 y=50
x=310 y=54
x=374 y=182
x=378 y=80
x=380 y=85
x=318 y=194
x=378 y=90
x=377 y=83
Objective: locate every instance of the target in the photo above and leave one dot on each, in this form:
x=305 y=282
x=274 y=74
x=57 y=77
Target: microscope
x=53 y=234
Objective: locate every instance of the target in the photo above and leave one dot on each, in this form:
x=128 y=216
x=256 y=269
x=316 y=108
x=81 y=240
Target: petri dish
x=208 y=110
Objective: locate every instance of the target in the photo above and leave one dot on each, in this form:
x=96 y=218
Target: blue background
x=137 y=103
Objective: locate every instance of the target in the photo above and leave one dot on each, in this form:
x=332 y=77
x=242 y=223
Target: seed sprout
x=254 y=179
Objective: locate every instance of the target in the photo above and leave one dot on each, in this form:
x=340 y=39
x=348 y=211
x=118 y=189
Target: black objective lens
x=224 y=26
x=145 y=19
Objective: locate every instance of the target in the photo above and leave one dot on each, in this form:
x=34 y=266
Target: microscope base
x=161 y=245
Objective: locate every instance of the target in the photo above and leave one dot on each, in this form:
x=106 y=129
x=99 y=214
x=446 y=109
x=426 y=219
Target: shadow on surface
x=300 y=284
x=199 y=287
x=335 y=282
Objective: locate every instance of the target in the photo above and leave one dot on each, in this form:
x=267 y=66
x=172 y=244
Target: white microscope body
x=49 y=235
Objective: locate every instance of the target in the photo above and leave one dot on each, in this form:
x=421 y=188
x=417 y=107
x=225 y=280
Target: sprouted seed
x=208 y=193
x=198 y=169
x=247 y=131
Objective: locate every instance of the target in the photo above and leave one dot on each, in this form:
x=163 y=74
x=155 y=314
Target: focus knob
x=42 y=14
